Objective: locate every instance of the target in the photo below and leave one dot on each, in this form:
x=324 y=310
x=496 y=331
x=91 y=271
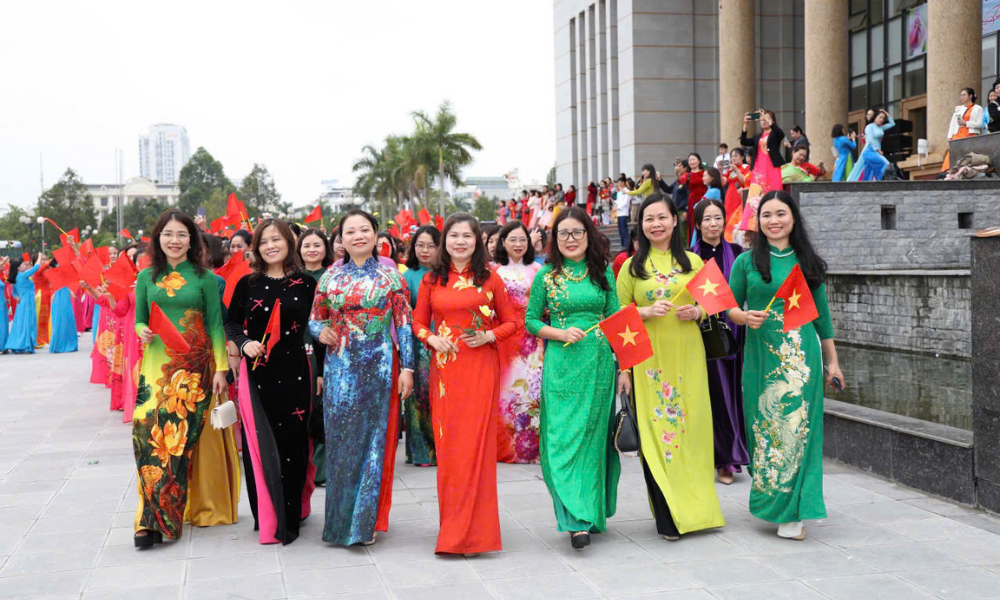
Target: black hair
x=296 y=229
x=500 y=255
x=244 y=235
x=213 y=250
x=699 y=213
x=327 y=257
x=158 y=258
x=812 y=265
x=838 y=131
x=724 y=145
x=15 y=264
x=543 y=238
x=796 y=129
x=739 y=151
x=633 y=235
x=677 y=247
x=412 y=262
x=597 y=247
x=489 y=230
x=716 y=177
x=357 y=212
x=971 y=92
x=478 y=264
x=290 y=264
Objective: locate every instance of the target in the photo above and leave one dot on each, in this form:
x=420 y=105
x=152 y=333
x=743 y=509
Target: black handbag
x=625 y=428
x=718 y=338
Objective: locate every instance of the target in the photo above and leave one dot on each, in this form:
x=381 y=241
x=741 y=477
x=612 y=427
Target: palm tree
x=375 y=177
x=452 y=149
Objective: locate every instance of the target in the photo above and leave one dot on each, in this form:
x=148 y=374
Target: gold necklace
x=583 y=276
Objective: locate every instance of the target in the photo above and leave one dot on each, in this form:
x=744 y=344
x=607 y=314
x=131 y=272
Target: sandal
x=579 y=539
x=146 y=538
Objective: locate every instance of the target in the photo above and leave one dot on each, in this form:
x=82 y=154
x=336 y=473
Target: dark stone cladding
x=986 y=368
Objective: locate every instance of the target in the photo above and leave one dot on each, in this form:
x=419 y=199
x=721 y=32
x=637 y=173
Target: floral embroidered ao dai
x=175 y=390
x=672 y=402
x=360 y=418
x=580 y=467
x=521 y=359
x=465 y=386
x=782 y=396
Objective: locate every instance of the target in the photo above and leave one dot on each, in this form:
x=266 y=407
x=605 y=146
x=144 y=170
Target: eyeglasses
x=517 y=240
x=183 y=236
x=566 y=234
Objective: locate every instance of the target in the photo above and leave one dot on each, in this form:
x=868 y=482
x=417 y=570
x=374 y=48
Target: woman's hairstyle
x=738 y=151
x=500 y=254
x=15 y=264
x=648 y=167
x=597 y=247
x=213 y=251
x=630 y=184
x=633 y=235
x=477 y=264
x=716 y=177
x=327 y=256
x=696 y=155
x=875 y=111
x=244 y=235
x=543 y=238
x=699 y=213
x=291 y=262
x=971 y=92
x=813 y=267
x=801 y=147
x=295 y=228
x=412 y=262
x=489 y=230
x=195 y=254
x=774 y=118
x=838 y=131
x=356 y=212
x=638 y=267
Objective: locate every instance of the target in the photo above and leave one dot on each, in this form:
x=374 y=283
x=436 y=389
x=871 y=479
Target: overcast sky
x=298 y=86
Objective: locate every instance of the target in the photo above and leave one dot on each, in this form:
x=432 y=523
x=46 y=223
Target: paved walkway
x=67 y=494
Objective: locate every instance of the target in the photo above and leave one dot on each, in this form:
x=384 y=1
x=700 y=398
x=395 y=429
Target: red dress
x=696 y=188
x=464 y=389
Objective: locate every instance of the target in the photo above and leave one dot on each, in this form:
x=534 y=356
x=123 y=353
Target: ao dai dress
x=4 y=319
x=359 y=303
x=580 y=467
x=672 y=402
x=24 y=330
x=521 y=374
x=782 y=396
x=64 y=333
x=464 y=390
x=175 y=389
x=417 y=407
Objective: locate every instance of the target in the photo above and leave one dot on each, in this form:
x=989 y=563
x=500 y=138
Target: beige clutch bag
x=224 y=415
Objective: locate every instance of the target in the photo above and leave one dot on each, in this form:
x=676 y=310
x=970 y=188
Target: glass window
x=989 y=55
x=858 y=6
x=893 y=108
x=894 y=83
x=859 y=53
x=875 y=13
x=916 y=78
x=878 y=47
x=875 y=96
x=895 y=41
x=859 y=93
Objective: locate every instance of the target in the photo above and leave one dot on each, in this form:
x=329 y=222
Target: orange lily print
x=465 y=283
x=170 y=441
x=183 y=393
x=172 y=283
x=444 y=358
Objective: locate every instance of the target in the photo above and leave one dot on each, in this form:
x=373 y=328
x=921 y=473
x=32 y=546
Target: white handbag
x=224 y=415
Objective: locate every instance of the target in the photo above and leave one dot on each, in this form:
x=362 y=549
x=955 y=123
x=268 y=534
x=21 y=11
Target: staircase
x=611 y=232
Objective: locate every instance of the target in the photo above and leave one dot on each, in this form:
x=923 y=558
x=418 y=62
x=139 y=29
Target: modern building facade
x=136 y=189
x=648 y=81
x=163 y=152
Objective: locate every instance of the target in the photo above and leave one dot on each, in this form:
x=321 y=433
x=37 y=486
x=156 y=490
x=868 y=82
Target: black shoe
x=580 y=540
x=147 y=539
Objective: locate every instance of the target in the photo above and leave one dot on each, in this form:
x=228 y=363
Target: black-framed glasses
x=565 y=234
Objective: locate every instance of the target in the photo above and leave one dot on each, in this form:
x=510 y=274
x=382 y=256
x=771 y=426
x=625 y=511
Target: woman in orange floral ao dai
x=464 y=299
x=175 y=388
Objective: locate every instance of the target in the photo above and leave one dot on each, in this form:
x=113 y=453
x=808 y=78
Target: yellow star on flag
x=628 y=337
x=793 y=300
x=708 y=287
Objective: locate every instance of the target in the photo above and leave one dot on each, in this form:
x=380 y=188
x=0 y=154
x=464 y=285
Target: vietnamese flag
x=799 y=305
x=439 y=222
x=273 y=331
x=120 y=277
x=87 y=248
x=424 y=216
x=627 y=336
x=315 y=215
x=710 y=289
x=64 y=255
x=104 y=255
x=236 y=210
x=72 y=233
x=144 y=239
x=125 y=233
x=232 y=272
x=220 y=223
x=90 y=270
x=393 y=231
x=160 y=324
x=26 y=258
x=64 y=276
x=144 y=262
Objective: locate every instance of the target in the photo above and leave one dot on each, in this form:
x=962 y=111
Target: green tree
x=259 y=193
x=485 y=209
x=452 y=149
x=198 y=179
x=551 y=178
x=12 y=229
x=69 y=204
x=377 y=175
x=139 y=214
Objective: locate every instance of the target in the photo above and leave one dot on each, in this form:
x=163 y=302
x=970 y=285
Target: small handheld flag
x=90 y=270
x=72 y=233
x=799 y=305
x=125 y=233
x=232 y=272
x=87 y=248
x=424 y=216
x=64 y=276
x=627 y=336
x=272 y=334
x=315 y=215
x=26 y=258
x=104 y=255
x=710 y=290
x=160 y=324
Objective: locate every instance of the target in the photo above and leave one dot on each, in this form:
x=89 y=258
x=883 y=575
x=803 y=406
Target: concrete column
x=954 y=61
x=826 y=75
x=737 y=75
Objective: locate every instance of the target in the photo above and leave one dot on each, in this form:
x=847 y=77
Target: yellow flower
x=172 y=283
x=183 y=393
x=444 y=358
x=464 y=283
x=168 y=442
x=440 y=389
x=489 y=296
x=150 y=476
x=486 y=311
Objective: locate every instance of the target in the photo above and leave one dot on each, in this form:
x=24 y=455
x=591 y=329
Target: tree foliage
x=259 y=193
x=139 y=214
x=68 y=203
x=485 y=209
x=201 y=176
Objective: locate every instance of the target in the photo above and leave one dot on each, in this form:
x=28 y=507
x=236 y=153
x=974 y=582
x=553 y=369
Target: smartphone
x=201 y=212
x=836 y=381
x=755 y=116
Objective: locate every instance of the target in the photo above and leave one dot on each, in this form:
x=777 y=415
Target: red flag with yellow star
x=710 y=289
x=799 y=306
x=627 y=336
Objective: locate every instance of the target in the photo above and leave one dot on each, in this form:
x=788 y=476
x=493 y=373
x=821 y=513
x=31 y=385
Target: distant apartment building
x=163 y=152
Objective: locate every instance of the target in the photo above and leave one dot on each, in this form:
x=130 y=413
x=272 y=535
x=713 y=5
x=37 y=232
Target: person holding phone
x=782 y=372
x=765 y=162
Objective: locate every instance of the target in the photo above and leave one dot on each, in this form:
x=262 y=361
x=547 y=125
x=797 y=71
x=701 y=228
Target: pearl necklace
x=583 y=276
x=786 y=254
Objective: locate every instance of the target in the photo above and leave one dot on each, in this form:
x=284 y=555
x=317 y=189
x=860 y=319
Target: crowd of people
x=478 y=342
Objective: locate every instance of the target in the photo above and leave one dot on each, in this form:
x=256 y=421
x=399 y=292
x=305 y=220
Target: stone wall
x=919 y=311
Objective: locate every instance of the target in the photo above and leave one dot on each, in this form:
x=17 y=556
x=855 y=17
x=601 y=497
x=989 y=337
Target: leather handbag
x=718 y=338
x=625 y=428
x=223 y=415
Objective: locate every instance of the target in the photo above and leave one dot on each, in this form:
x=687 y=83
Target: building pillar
x=954 y=61
x=826 y=75
x=737 y=76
